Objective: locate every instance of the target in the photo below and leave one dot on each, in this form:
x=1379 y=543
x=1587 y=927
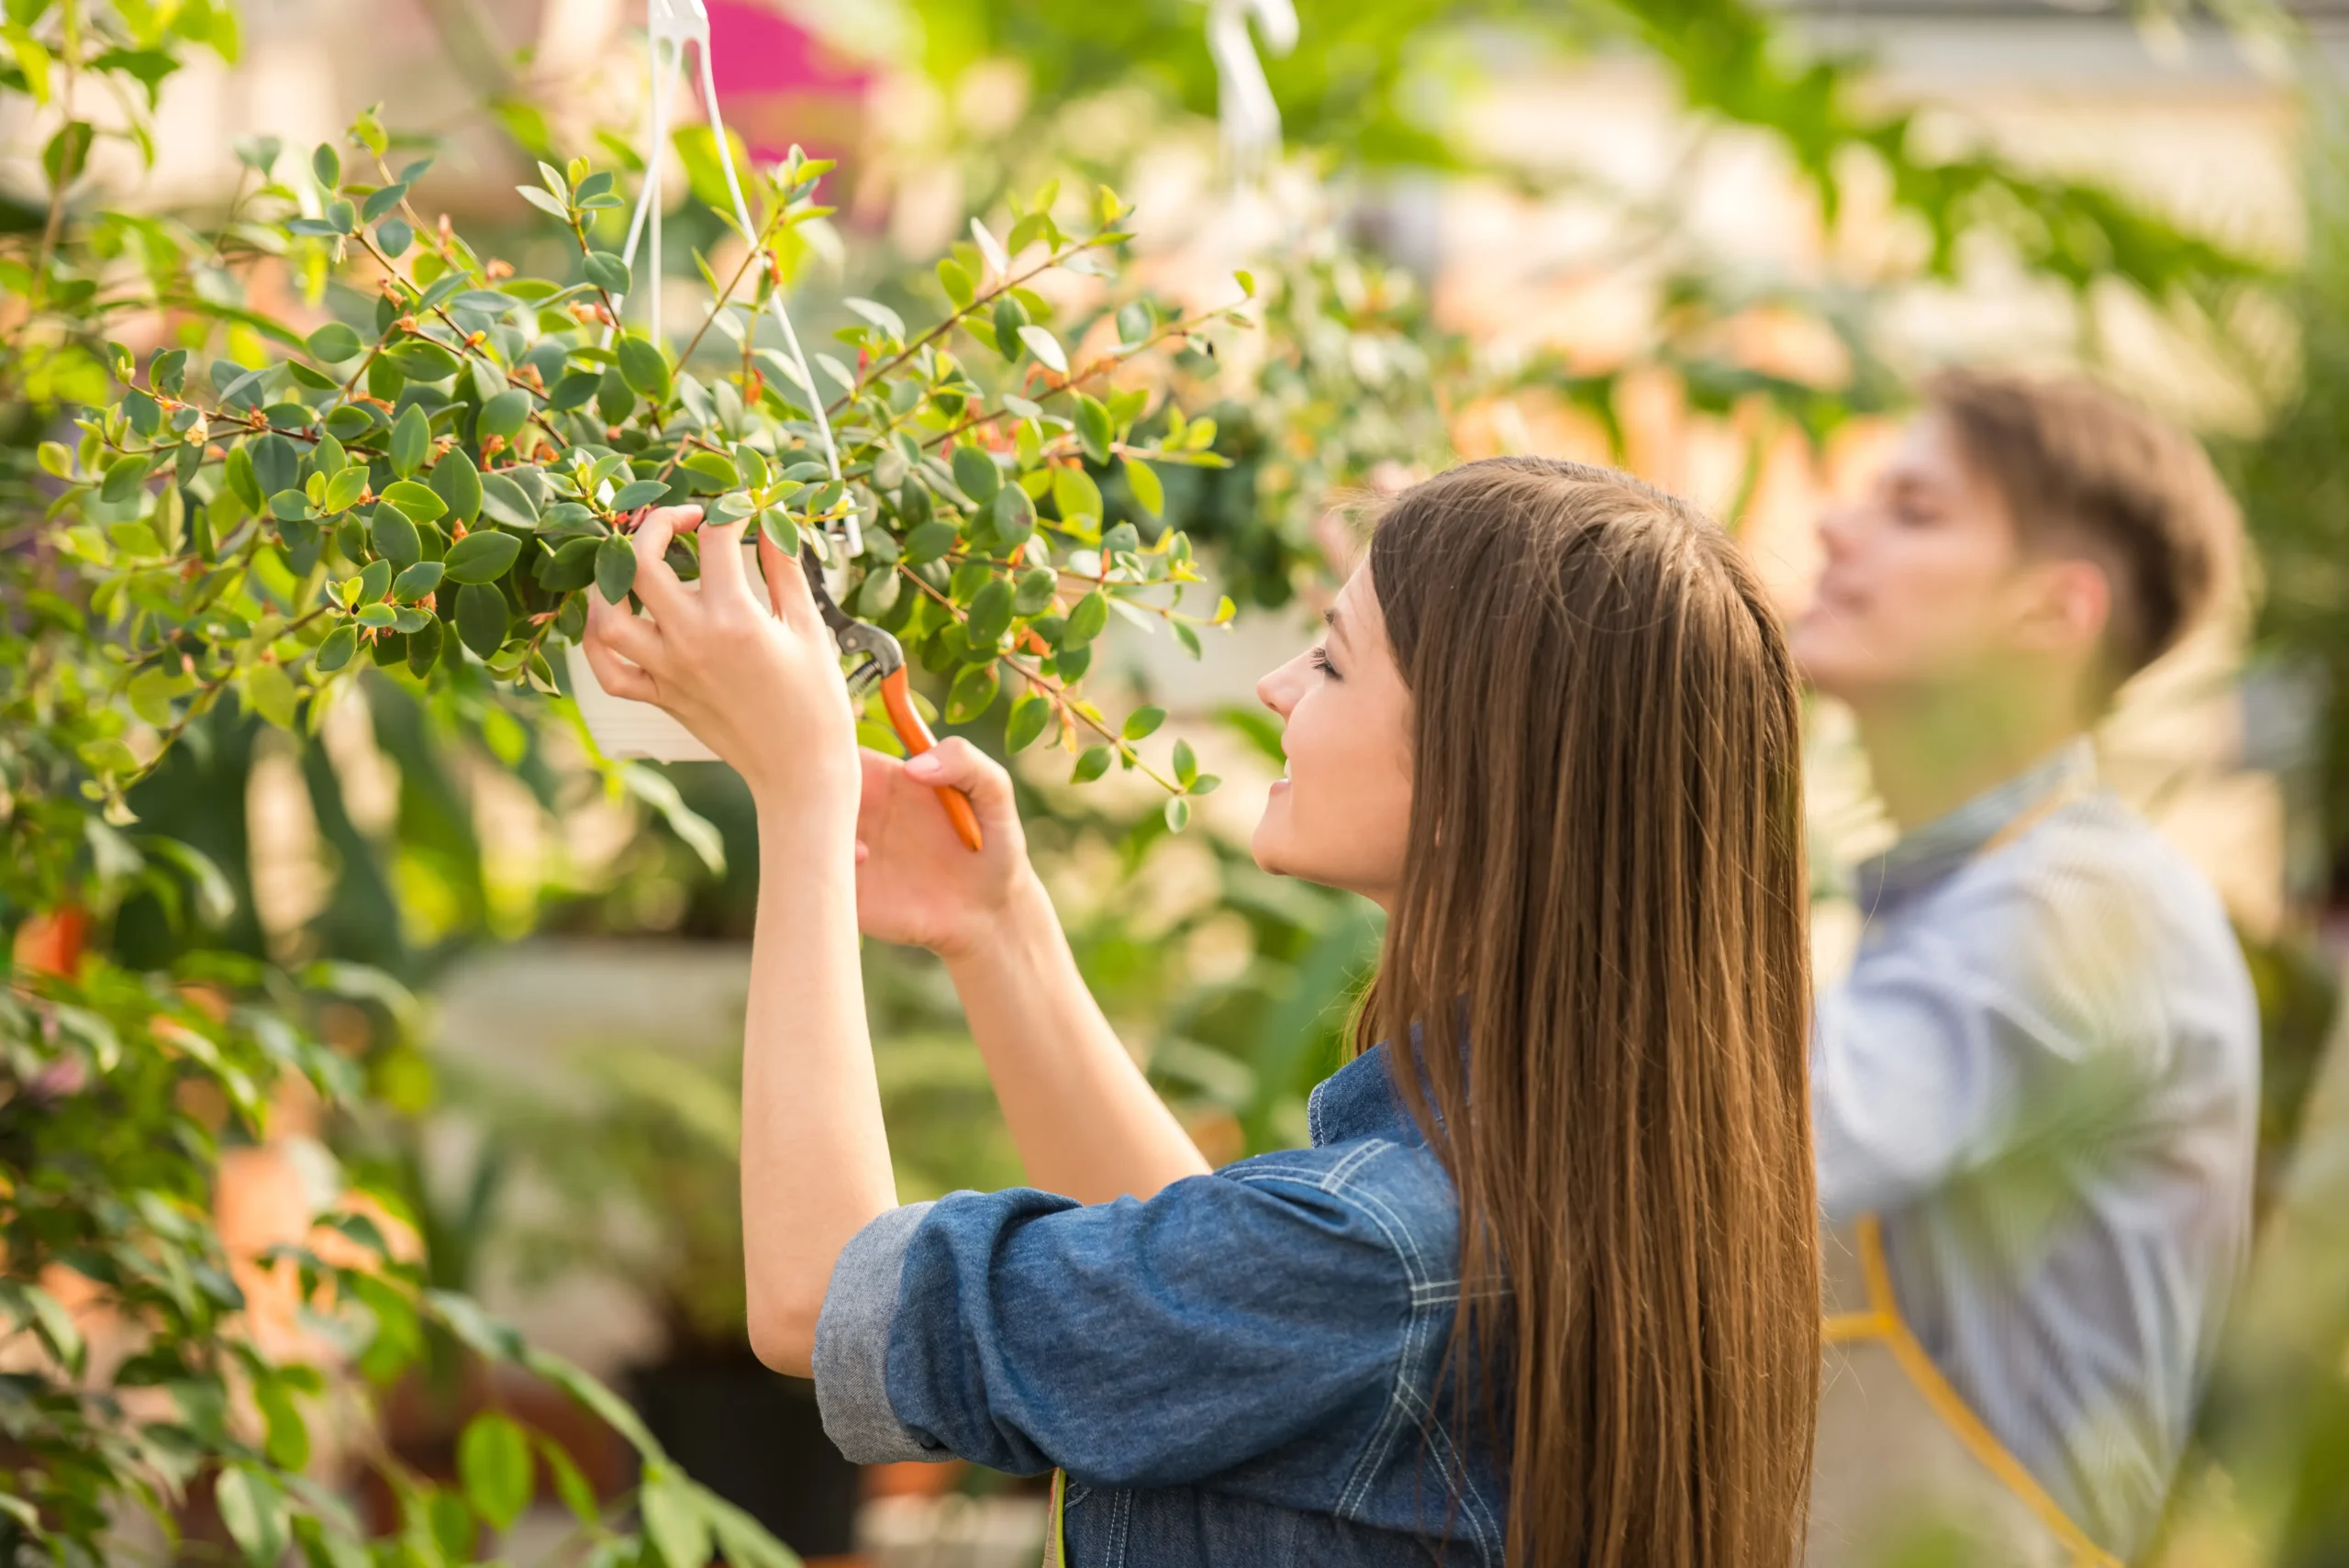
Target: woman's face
x=1341 y=814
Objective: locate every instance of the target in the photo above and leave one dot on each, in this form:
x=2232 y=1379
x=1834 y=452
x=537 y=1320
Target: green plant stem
x=200 y=704
x=876 y=373
x=1088 y=373
x=54 y=224
x=1063 y=699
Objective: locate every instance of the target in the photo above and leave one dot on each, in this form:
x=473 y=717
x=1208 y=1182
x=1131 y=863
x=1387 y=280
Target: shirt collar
x=1927 y=854
x=1359 y=1101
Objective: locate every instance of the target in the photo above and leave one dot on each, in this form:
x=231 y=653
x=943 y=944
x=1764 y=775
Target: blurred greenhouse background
x=1711 y=240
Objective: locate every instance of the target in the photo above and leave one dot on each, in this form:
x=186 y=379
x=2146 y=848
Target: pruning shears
x=879 y=660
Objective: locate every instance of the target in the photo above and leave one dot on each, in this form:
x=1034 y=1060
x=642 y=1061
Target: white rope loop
x=1251 y=116
x=676 y=24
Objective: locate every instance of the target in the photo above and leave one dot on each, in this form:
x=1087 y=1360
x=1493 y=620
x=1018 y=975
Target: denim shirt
x=1238 y=1371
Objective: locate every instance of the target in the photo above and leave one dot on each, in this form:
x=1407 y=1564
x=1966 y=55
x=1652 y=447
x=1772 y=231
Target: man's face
x=1924 y=585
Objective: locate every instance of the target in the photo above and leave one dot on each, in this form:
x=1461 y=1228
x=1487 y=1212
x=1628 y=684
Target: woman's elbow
x=782 y=1332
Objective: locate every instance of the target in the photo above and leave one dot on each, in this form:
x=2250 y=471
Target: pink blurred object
x=778 y=83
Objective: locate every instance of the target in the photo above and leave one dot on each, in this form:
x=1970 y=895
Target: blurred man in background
x=2034 y=1094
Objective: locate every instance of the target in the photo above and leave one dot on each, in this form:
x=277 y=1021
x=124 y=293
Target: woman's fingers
x=787 y=585
x=955 y=763
x=618 y=672
x=657 y=582
x=723 y=581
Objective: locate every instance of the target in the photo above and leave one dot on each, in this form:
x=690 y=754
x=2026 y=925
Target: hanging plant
x=435 y=487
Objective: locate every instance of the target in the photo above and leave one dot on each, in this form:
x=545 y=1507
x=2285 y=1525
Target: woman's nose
x=1277 y=689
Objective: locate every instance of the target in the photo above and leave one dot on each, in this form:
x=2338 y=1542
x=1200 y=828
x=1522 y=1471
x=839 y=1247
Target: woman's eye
x=1321 y=663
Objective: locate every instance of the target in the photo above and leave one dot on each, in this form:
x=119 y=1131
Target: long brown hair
x=1606 y=887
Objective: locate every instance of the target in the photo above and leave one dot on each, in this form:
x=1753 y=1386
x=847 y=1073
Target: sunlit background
x=1712 y=243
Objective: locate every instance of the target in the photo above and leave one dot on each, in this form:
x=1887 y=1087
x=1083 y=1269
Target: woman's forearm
x=1086 y=1122
x=815 y=1156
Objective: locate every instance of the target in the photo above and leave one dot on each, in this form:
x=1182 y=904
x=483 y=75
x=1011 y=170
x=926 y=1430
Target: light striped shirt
x=2043 y=1072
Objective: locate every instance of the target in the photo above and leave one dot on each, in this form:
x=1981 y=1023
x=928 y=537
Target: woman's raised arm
x=1086 y=1122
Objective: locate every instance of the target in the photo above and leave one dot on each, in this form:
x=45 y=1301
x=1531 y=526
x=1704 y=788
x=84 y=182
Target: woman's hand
x=762 y=690
x=916 y=883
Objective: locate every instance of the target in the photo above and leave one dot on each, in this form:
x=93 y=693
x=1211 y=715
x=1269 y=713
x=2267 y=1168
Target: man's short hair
x=2085 y=470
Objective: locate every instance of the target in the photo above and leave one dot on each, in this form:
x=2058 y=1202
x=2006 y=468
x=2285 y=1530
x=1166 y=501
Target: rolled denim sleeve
x=853 y=1344
x=1149 y=1344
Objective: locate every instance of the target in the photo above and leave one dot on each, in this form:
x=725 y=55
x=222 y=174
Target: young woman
x=1545 y=1289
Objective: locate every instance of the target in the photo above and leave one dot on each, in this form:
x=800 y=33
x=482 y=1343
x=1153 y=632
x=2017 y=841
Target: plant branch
x=880 y=370
x=1061 y=697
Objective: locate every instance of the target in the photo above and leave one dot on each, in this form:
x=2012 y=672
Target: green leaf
x=1142 y=721
x=1075 y=494
x=1030 y=717
x=502 y=500
x=411 y=441
x=415 y=582
x=1093 y=429
x=1040 y=342
x=254 y=1511
x=674 y=1522
x=418 y=502
x=333 y=343
x=639 y=493
x=344 y=490
x=1034 y=593
x=880 y=315
x=931 y=542
x=1178 y=815
x=546 y=202
x=1150 y=494
x=975 y=474
x=395 y=236
x=614 y=569
x=458 y=482
x=288 y=1439
x=1091 y=764
x=482 y=618
x=421 y=359
x=395 y=538
x=1012 y=518
x=971 y=693
x=505 y=414
x=481 y=556
x=1086 y=621
x=327 y=165
x=715 y=467
x=960 y=290
x=494 y=1462
x=607 y=271
x=568 y=1485
x=269 y=692
x=572 y=566
x=645 y=369
x=1187 y=765
x=124 y=475
x=990 y=614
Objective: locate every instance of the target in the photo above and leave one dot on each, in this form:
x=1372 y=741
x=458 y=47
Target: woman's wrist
x=998 y=935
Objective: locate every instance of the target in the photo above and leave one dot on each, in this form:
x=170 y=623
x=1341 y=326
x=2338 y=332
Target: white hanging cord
x=851 y=536
x=1244 y=101
x=677 y=23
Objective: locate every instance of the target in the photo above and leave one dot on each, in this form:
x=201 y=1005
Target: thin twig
x=1058 y=691
x=877 y=371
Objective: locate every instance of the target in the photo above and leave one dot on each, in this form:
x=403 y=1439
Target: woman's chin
x=1269 y=843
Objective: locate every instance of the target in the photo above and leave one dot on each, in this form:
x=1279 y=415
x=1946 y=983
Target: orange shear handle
x=907 y=722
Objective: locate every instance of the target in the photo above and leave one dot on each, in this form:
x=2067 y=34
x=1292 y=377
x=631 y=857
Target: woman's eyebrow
x=1337 y=626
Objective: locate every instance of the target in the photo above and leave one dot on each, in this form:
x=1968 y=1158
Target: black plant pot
x=753 y=1436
